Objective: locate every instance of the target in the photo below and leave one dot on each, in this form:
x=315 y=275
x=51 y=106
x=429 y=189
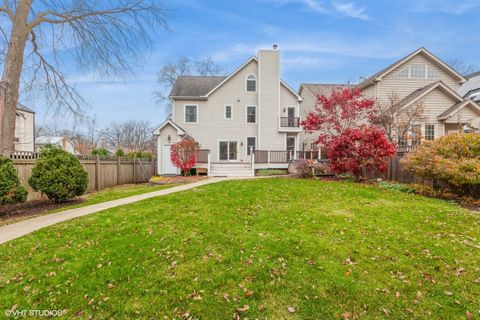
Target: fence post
x=97 y=173
x=253 y=160
x=134 y=169
x=118 y=171
x=268 y=157
x=209 y=163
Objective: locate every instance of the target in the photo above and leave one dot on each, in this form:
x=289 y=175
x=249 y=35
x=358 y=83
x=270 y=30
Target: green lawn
x=108 y=194
x=326 y=250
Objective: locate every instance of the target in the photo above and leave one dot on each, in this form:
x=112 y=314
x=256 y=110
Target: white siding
x=403 y=87
x=212 y=126
x=269 y=101
x=308 y=104
x=25 y=131
x=162 y=140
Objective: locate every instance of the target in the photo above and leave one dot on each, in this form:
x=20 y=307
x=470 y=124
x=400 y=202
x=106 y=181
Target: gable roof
x=51 y=140
x=191 y=87
x=231 y=75
x=316 y=89
x=201 y=87
x=180 y=131
x=21 y=107
x=420 y=93
x=457 y=107
x=379 y=75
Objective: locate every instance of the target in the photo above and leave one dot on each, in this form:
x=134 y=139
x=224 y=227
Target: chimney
x=269 y=98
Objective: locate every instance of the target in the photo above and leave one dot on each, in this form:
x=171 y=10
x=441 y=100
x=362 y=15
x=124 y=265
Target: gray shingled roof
x=415 y=94
x=24 y=108
x=450 y=110
x=195 y=86
x=454 y=108
x=324 y=88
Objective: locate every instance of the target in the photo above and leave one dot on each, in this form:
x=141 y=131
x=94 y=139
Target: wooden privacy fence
x=397 y=172
x=103 y=172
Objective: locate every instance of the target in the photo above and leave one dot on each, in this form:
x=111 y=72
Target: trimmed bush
x=120 y=153
x=451 y=162
x=58 y=174
x=11 y=190
x=101 y=152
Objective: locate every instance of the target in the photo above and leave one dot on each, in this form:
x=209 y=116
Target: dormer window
x=251 y=83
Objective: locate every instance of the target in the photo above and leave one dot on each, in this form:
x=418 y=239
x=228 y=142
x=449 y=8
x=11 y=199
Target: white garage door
x=168 y=167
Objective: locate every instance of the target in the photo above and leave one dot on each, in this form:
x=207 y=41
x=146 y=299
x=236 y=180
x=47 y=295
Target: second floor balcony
x=290 y=124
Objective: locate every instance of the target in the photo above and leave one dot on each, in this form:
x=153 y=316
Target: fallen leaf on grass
x=243 y=309
x=248 y=293
x=291 y=309
x=346 y=315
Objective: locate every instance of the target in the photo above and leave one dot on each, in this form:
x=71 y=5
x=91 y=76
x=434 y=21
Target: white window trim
x=246 y=144
x=425 y=131
x=228 y=140
x=256 y=83
x=290 y=107
x=185 y=113
x=295 y=144
x=246 y=114
x=225 y=112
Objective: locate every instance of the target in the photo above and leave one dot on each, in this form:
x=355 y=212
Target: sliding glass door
x=228 y=150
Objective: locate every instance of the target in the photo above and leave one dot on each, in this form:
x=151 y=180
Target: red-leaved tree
x=359 y=149
x=183 y=155
x=343 y=109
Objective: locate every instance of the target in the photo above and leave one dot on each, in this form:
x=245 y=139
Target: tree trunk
x=11 y=75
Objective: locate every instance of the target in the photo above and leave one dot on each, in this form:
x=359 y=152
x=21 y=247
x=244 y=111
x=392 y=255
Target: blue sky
x=326 y=41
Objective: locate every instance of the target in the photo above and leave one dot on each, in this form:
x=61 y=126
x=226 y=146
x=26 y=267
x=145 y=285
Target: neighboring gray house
x=420 y=77
x=252 y=108
x=471 y=88
x=24 y=129
x=62 y=142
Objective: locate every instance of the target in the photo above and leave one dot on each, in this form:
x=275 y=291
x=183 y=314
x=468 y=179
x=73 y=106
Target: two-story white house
x=252 y=108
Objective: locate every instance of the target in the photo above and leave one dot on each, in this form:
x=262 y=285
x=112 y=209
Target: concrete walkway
x=16 y=230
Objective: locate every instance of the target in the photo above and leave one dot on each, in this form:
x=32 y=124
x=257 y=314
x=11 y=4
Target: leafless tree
x=397 y=120
x=169 y=73
x=133 y=135
x=462 y=68
x=100 y=36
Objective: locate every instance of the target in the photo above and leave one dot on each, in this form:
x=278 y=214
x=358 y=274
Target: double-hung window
x=251 y=114
x=429 y=132
x=191 y=115
x=228 y=112
x=251 y=83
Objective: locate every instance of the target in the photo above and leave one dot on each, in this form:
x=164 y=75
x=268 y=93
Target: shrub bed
x=451 y=162
x=11 y=190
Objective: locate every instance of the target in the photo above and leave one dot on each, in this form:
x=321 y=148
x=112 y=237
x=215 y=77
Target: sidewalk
x=16 y=230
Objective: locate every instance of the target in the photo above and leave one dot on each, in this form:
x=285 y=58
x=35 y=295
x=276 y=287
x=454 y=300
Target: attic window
x=403 y=73
x=417 y=71
x=251 y=83
x=432 y=73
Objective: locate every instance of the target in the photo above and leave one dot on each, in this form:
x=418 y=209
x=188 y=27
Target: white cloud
x=315 y=5
x=350 y=9
x=446 y=6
